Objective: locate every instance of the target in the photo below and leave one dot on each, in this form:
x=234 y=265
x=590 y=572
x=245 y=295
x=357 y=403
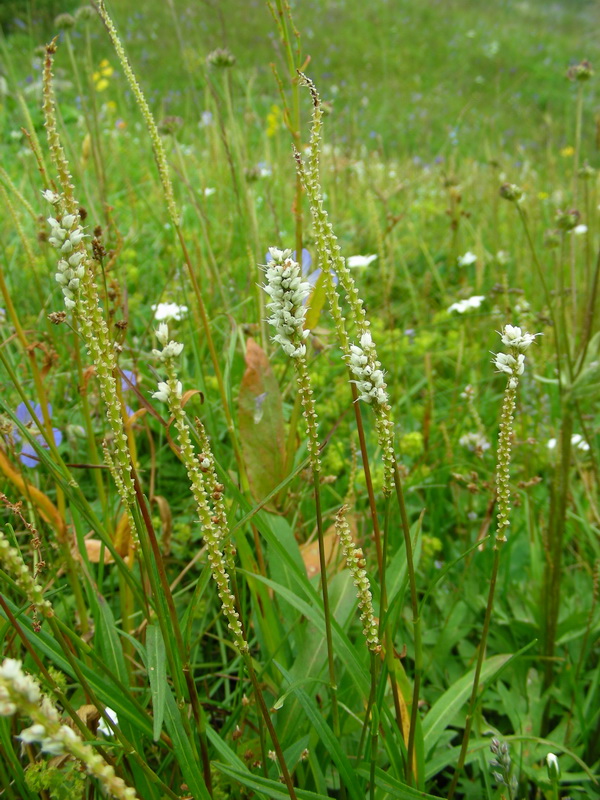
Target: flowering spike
x=356 y=564
x=513 y=365
x=213 y=520
x=288 y=293
x=19 y=692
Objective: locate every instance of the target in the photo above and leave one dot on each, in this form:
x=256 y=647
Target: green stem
x=265 y=714
x=374 y=726
x=414 y=601
x=552 y=573
x=128 y=747
x=327 y=612
x=475 y=690
x=175 y=629
x=547 y=295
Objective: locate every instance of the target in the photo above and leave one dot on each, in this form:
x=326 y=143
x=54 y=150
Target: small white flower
x=512 y=336
x=103 y=727
x=360 y=261
x=474 y=442
x=171 y=350
x=551 y=444
x=67 y=221
x=579 y=230
x=11 y=669
x=50 y=196
x=462 y=306
x=164 y=311
x=288 y=293
x=209 y=191
x=35 y=733
x=279 y=255
x=466 y=260
x=505 y=362
x=163 y=393
x=579 y=442
x=162 y=333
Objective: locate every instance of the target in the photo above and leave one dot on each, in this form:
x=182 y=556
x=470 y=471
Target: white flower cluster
x=169 y=311
x=577 y=441
x=171 y=349
x=288 y=293
x=65 y=236
x=513 y=336
x=11 y=675
x=474 y=441
x=360 y=261
x=466 y=305
x=513 y=363
x=466 y=260
x=53 y=745
x=369 y=378
x=165 y=391
x=21 y=692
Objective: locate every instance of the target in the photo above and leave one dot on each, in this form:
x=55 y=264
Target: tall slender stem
x=287 y=778
x=414 y=602
x=475 y=690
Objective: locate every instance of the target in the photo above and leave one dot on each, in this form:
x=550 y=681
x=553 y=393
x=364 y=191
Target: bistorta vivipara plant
x=510 y=362
x=20 y=693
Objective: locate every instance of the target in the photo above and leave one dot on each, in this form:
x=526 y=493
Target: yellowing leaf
x=316 y=301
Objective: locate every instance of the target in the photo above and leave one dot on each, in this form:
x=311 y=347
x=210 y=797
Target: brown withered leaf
x=260 y=415
x=93 y=548
x=310 y=553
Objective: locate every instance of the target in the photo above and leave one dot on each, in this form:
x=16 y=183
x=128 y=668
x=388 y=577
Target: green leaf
x=326 y=735
x=269 y=788
x=157 y=674
x=444 y=710
x=109 y=643
x=187 y=759
x=106 y=690
x=278 y=704
x=260 y=416
x=341 y=643
x=397 y=790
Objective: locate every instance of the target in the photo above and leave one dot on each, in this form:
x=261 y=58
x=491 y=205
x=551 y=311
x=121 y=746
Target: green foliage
x=65 y=783
x=16 y=14
x=432 y=107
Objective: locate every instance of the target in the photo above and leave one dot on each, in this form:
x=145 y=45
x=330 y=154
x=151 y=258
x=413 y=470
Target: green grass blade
x=155 y=652
x=332 y=745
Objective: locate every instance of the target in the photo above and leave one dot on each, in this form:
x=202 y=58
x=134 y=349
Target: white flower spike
x=513 y=362
x=288 y=293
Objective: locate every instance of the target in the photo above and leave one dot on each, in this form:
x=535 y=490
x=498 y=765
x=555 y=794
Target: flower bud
x=580 y=72
x=221 y=58
x=567 y=220
x=511 y=192
x=553 y=767
x=64 y=22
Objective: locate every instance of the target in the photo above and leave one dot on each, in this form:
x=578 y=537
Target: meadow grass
x=402 y=528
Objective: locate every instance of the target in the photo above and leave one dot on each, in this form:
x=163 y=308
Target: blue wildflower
x=28 y=454
x=128 y=381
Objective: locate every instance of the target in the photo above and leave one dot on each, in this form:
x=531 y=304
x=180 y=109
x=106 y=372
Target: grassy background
x=434 y=105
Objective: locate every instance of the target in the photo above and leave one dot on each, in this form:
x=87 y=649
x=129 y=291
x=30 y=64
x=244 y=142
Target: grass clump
x=271 y=525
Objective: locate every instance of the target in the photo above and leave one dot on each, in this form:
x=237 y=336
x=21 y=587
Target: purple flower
x=128 y=381
x=28 y=454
